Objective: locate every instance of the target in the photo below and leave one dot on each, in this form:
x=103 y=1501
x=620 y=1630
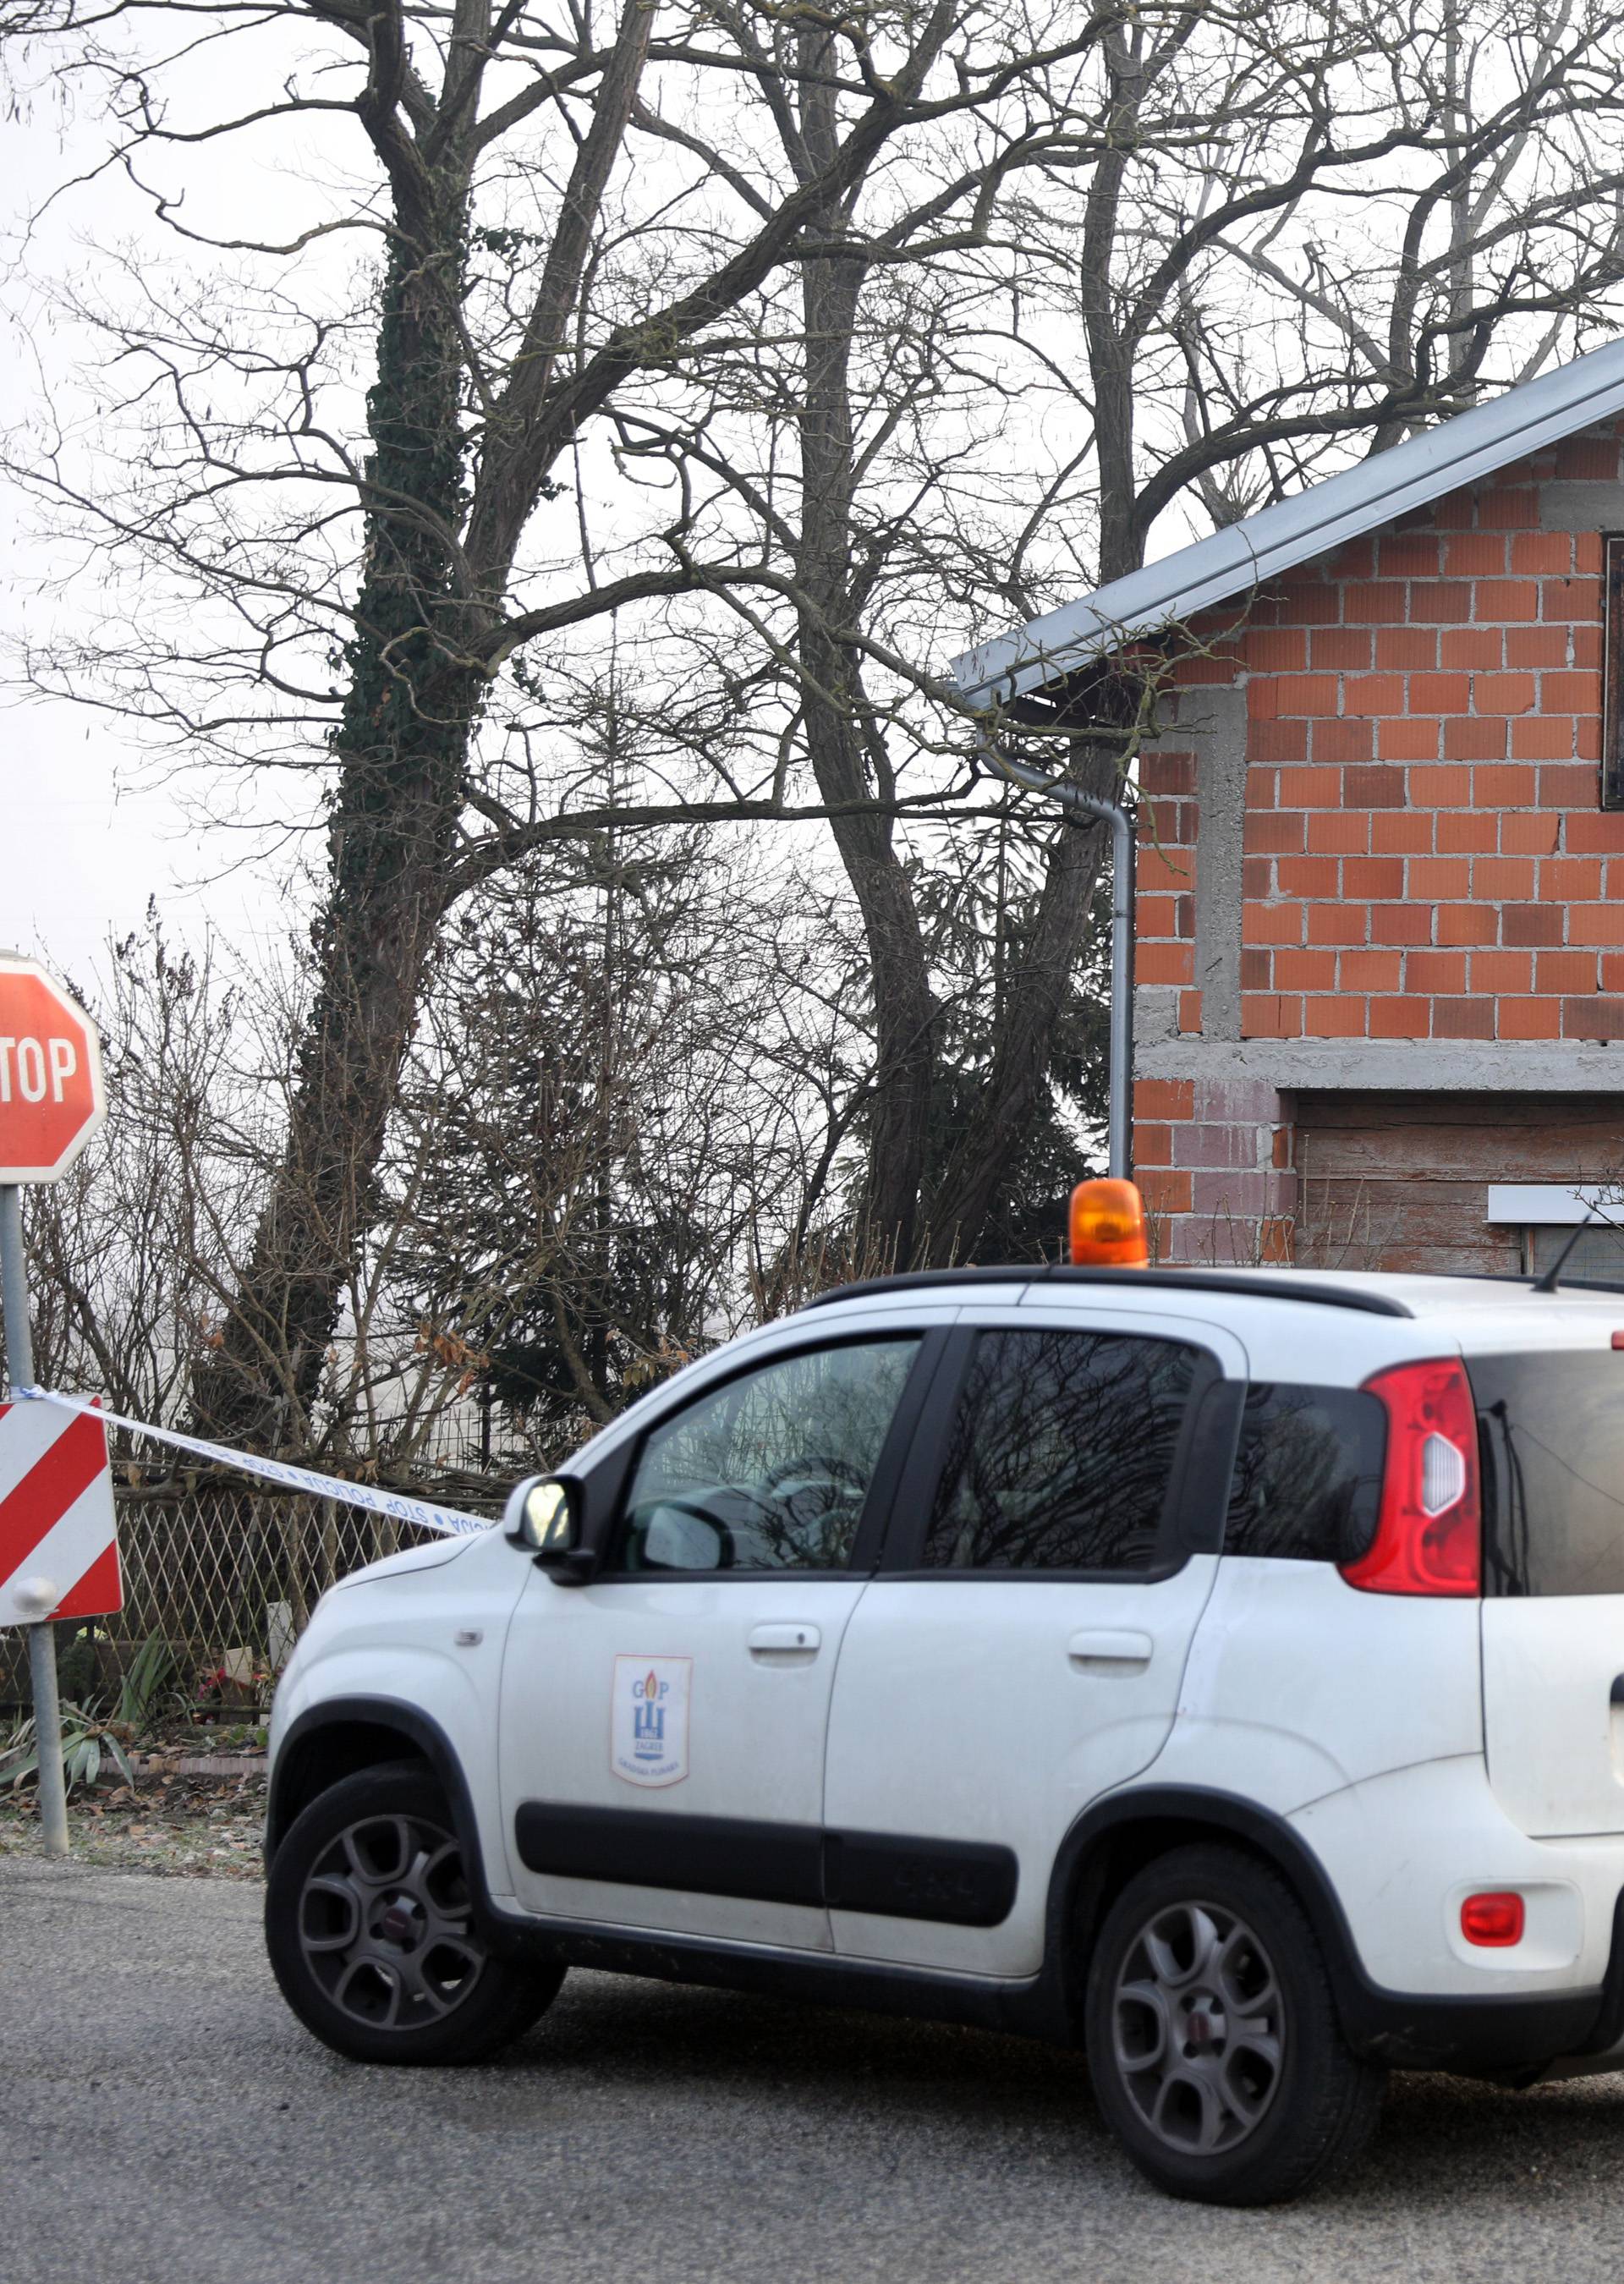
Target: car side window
x=1061 y=1453
x=1306 y=1485
x=771 y=1471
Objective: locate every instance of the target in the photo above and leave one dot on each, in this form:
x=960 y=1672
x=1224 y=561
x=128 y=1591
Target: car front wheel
x=1213 y=2038
x=371 y=1928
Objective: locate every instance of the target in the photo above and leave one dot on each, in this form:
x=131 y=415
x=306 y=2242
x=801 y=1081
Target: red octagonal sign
x=51 y=1074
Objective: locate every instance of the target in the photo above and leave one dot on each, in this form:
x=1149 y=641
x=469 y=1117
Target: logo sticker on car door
x=648 y=1729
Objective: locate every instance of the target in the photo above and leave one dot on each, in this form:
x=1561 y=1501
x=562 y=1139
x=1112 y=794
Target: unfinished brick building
x=1379 y=978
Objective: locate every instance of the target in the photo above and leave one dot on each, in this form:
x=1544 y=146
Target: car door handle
x=1106 y=1646
x=790 y=1639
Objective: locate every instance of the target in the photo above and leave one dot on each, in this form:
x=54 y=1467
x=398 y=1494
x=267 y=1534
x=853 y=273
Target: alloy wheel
x=386 y=1923
x=1198 y=2028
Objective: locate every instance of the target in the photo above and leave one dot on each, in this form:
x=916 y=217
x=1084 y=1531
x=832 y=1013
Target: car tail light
x=1496 y=1922
x=1429 y=1531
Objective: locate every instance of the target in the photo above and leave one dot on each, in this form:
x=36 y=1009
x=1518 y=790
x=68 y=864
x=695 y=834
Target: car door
x=1021 y=1650
x=662 y=1729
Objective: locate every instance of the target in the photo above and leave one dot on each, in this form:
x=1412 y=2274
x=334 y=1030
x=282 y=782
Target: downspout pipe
x=1087 y=808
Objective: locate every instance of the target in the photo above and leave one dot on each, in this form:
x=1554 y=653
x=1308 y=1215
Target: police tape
x=398 y=1506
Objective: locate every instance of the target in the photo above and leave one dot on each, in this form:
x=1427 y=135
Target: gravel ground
x=162 y=2115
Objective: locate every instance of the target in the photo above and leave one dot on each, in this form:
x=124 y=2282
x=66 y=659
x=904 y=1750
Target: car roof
x=1506 y=1300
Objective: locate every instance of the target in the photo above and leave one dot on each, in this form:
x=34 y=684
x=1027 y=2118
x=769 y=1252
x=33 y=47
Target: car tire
x=372 y=1934
x=1213 y=2040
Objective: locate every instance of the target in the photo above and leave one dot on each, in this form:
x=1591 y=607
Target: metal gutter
x=1089 y=808
x=1458 y=451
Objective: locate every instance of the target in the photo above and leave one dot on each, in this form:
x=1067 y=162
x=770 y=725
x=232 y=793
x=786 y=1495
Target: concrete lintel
x=1581 y=506
x=1368 y=1065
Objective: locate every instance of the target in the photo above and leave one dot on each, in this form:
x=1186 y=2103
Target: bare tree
x=1249 y=242
x=138 y=1245
x=716 y=371
x=1392 y=214
x=536 y=273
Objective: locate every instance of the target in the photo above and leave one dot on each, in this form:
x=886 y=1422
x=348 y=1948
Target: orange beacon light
x=1108 y=1227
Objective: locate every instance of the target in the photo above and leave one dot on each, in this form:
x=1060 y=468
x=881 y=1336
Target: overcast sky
x=90 y=830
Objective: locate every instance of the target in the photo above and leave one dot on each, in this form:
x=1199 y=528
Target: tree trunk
x=1033 y=998
x=1112 y=351
x=904 y=1007
x=402 y=746
x=1037 y=992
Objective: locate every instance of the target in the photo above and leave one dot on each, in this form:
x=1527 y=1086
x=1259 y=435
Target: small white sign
x=648 y=1728
x=1555 y=1204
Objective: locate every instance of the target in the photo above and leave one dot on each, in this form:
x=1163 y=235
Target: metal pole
x=41 y=1638
x=1072 y=799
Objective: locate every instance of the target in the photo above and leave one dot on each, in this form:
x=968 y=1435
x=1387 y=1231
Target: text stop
x=34 y=1066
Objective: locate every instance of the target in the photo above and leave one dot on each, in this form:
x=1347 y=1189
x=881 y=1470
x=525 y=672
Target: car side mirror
x=543 y=1515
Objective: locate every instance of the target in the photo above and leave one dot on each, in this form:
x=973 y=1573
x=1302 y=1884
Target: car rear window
x=1306 y=1485
x=1550 y=1433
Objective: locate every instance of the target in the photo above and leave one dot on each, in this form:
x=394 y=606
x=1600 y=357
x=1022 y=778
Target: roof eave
x=1244 y=555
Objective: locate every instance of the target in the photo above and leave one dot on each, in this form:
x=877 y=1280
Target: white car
x=1224 y=1670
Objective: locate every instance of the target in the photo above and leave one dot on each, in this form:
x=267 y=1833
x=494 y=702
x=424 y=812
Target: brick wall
x=1214 y=1158
x=1425 y=856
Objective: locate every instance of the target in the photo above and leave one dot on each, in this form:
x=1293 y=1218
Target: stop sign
x=51 y=1074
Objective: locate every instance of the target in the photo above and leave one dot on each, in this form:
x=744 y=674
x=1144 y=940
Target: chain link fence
x=227 y=1575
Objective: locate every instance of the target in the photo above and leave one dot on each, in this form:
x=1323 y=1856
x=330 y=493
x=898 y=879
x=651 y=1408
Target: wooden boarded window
x=1613 y=686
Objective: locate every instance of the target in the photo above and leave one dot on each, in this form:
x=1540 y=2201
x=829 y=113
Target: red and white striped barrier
x=58 y=1545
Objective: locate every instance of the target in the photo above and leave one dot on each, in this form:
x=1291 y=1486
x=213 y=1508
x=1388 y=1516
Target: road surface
x=163 y=2120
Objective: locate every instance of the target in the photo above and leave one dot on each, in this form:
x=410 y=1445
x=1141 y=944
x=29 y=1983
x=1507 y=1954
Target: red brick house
x=1379 y=978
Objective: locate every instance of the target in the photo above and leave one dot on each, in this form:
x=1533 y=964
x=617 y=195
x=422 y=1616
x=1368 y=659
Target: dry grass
x=177 y=1827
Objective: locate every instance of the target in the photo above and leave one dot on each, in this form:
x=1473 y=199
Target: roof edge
x=1461 y=451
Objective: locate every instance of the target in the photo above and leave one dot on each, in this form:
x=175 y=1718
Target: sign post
x=41 y=1635
x=51 y=1104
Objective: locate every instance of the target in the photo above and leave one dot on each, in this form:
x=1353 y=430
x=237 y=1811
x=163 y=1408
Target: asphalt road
x=163 y=2120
